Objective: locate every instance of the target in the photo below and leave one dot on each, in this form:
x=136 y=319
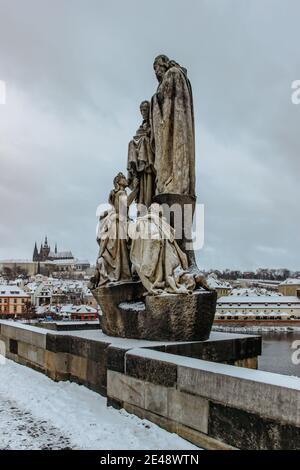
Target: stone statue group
x=161 y=163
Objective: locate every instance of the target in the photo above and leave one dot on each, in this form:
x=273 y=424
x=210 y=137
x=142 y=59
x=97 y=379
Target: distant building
x=53 y=291
x=67 y=266
x=13 y=301
x=68 y=312
x=89 y=299
x=46 y=262
x=222 y=287
x=289 y=287
x=41 y=294
x=79 y=312
x=16 y=267
x=45 y=253
x=258 y=307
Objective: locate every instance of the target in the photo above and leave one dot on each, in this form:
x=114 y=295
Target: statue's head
x=145 y=110
x=120 y=181
x=161 y=65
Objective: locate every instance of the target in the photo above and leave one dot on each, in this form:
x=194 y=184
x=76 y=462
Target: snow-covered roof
x=67 y=309
x=61 y=254
x=253 y=291
x=68 y=262
x=57 y=285
x=215 y=283
x=79 y=309
x=11 y=291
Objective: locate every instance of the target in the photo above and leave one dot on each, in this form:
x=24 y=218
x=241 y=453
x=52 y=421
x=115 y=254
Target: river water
x=278 y=354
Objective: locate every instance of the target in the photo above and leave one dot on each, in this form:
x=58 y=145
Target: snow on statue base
x=127 y=313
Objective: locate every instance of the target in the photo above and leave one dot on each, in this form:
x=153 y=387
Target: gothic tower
x=35 y=253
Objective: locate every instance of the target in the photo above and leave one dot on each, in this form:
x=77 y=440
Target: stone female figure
x=113 y=263
x=141 y=159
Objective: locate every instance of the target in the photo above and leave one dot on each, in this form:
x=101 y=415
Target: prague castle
x=47 y=262
x=45 y=253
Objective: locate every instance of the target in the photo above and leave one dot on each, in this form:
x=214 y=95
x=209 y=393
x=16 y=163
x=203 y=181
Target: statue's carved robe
x=156 y=257
x=141 y=164
x=113 y=264
x=173 y=135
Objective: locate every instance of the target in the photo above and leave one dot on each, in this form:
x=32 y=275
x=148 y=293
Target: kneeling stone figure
x=155 y=255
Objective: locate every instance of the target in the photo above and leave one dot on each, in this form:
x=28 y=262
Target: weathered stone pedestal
x=128 y=313
x=113 y=320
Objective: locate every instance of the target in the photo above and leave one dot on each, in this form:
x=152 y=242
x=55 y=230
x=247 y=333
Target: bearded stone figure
x=141 y=159
x=173 y=136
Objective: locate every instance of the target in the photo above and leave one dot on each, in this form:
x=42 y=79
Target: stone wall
x=59 y=356
x=187 y=388
x=84 y=357
x=215 y=406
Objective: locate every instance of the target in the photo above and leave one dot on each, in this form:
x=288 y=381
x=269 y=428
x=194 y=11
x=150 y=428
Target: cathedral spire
x=35 y=253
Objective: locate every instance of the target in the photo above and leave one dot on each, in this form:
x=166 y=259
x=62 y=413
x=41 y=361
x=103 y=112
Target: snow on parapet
x=290 y=281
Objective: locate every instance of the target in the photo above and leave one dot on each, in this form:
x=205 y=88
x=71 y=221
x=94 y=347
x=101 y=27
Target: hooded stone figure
x=172 y=129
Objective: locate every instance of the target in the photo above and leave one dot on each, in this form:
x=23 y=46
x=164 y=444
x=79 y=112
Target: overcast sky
x=75 y=73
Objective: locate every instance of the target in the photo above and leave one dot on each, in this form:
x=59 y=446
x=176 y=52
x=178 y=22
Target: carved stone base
x=127 y=313
x=179 y=317
x=114 y=322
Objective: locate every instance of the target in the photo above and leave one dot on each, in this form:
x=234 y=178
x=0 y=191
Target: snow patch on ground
x=37 y=413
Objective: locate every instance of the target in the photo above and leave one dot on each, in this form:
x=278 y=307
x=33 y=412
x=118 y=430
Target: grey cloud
x=76 y=72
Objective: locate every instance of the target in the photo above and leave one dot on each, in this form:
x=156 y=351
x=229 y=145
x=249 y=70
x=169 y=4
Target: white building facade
x=258 y=308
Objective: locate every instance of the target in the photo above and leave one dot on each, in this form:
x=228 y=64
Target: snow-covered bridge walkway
x=37 y=413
